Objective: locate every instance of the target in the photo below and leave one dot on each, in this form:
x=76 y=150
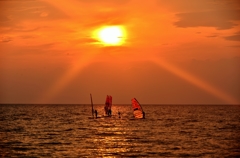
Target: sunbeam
x=63 y=81
x=196 y=81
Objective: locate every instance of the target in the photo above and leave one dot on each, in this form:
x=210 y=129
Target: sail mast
x=92 y=105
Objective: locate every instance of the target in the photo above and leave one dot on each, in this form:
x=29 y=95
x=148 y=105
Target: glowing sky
x=172 y=51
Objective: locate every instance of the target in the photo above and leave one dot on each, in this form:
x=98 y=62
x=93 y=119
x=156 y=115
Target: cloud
x=3 y=18
x=211 y=36
x=17 y=0
x=107 y=18
x=236 y=46
x=27 y=37
x=5 y=39
x=44 y=14
x=220 y=19
x=106 y=1
x=15 y=12
x=83 y=41
x=235 y=37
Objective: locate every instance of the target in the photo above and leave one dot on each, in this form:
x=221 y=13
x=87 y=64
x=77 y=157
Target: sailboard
x=92 y=106
x=137 y=109
x=108 y=106
x=94 y=112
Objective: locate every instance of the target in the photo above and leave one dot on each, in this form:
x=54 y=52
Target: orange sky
x=174 y=52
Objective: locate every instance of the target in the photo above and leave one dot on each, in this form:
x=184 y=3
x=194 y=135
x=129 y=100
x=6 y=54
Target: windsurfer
x=96 y=113
x=109 y=112
x=119 y=114
x=106 y=110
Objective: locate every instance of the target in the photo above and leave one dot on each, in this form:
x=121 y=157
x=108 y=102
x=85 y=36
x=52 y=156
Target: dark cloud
x=220 y=19
x=235 y=37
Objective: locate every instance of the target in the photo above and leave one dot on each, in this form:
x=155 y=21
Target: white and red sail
x=108 y=105
x=137 y=109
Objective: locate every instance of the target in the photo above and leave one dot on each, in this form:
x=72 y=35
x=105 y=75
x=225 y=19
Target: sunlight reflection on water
x=167 y=131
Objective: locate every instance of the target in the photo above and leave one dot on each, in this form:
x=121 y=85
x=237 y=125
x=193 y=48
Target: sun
x=111 y=35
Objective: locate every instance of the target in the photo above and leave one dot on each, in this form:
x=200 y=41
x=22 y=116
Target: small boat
x=108 y=106
x=137 y=109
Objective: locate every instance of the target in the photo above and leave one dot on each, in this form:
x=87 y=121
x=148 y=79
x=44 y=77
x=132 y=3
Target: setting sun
x=168 y=52
x=111 y=35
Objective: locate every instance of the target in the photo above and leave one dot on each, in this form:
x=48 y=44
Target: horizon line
x=115 y=104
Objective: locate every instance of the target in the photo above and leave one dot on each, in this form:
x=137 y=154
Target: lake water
x=167 y=131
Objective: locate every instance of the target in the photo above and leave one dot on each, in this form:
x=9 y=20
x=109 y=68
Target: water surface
x=167 y=131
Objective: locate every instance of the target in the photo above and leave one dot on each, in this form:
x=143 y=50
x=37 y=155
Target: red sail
x=137 y=109
x=108 y=105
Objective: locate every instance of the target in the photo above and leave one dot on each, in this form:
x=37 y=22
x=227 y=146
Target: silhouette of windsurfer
x=96 y=113
x=106 y=110
x=109 y=112
x=119 y=114
x=143 y=114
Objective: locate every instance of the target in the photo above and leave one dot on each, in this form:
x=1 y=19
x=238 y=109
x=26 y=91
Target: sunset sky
x=170 y=51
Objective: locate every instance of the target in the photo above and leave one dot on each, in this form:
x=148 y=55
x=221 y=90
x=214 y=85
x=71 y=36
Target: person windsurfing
x=96 y=113
x=119 y=114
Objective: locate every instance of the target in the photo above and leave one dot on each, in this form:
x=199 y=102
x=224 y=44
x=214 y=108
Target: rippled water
x=167 y=131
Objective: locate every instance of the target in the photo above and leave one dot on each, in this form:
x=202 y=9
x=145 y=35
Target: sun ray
x=196 y=81
x=63 y=81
